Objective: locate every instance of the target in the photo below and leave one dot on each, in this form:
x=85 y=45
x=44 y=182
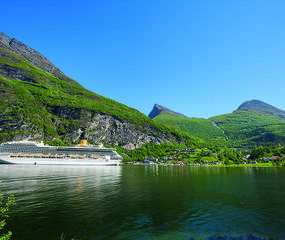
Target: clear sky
x=198 y=57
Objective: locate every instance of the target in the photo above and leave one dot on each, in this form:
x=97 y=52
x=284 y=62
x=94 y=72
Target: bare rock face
x=28 y=53
x=102 y=128
x=16 y=73
x=105 y=128
x=33 y=56
x=4 y=39
x=157 y=109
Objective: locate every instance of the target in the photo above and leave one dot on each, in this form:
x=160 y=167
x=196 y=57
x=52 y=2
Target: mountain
x=256 y=105
x=253 y=123
x=37 y=101
x=198 y=127
x=13 y=46
x=159 y=110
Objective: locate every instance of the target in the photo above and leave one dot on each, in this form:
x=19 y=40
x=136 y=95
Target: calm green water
x=151 y=202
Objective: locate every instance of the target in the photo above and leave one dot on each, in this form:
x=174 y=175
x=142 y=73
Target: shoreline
x=263 y=165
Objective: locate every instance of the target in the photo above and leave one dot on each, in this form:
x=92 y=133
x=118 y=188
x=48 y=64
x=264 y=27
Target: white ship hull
x=7 y=159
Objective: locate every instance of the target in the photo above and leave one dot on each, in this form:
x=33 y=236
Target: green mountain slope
x=253 y=123
x=199 y=127
x=38 y=101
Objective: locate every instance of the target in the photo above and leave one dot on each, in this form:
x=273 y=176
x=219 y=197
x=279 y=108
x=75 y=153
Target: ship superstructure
x=27 y=152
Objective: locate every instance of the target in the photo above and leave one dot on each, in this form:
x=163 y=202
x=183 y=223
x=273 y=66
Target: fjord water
x=144 y=202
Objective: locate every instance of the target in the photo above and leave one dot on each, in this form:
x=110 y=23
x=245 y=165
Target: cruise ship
x=34 y=153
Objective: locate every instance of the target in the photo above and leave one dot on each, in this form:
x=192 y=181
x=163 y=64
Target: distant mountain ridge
x=257 y=105
x=158 y=109
x=252 y=123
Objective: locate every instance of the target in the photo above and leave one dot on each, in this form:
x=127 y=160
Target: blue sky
x=198 y=57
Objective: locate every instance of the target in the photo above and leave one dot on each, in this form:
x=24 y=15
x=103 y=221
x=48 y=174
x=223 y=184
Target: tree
x=257 y=153
x=204 y=153
x=4 y=208
x=221 y=157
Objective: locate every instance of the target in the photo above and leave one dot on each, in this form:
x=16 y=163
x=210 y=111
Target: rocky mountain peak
x=4 y=39
x=257 y=105
x=13 y=46
x=29 y=54
x=157 y=109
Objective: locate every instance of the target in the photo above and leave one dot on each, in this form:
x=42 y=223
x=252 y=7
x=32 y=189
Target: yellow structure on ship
x=83 y=142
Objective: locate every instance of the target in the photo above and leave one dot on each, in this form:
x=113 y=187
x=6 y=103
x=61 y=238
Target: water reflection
x=144 y=202
x=52 y=199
